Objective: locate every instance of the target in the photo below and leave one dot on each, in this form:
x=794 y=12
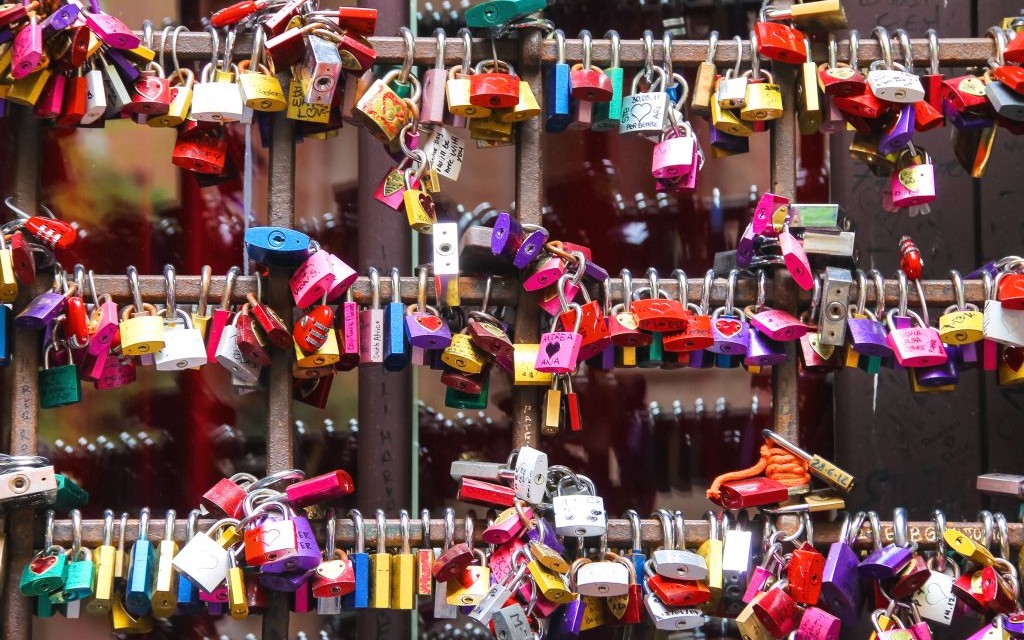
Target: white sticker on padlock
x=531 y=472
x=446 y=152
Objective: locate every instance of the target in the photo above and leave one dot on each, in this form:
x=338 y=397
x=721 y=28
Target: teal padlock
x=48 y=570
x=138 y=591
x=69 y=494
x=45 y=608
x=608 y=114
x=651 y=356
x=58 y=386
x=81 y=580
x=494 y=13
x=456 y=399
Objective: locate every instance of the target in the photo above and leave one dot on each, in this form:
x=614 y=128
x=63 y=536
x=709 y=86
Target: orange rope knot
x=776 y=463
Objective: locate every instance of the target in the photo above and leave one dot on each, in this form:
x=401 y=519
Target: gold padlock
x=381 y=111
x=1009 y=358
x=461 y=354
x=552 y=585
x=27 y=90
x=299 y=109
x=726 y=121
x=594 y=612
x=961 y=323
x=261 y=90
x=122 y=622
x=141 y=333
x=865 y=149
x=457 y=95
x=524 y=370
x=527 y=107
x=325 y=356
x=419 y=206
x=764 y=100
x=491 y=128
x=8 y=281
x=469 y=588
x=181 y=82
x=749 y=626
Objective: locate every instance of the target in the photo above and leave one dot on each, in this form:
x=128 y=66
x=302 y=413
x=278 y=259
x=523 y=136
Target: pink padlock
x=688 y=181
x=117 y=372
x=104 y=324
x=432 y=105
x=51 y=101
x=507 y=526
x=27 y=51
x=111 y=30
x=769 y=208
x=674 y=155
x=778 y=325
x=322 y=488
x=545 y=273
x=796 y=260
x=344 y=276
x=391 y=190
x=313 y=279
x=757 y=583
x=915 y=346
x=91 y=366
x=552 y=304
x=817 y=624
x=913 y=184
x=559 y=350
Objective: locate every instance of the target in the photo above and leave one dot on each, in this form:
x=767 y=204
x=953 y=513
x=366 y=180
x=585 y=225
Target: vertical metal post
x=24 y=402
x=785 y=387
x=385 y=398
x=529 y=201
x=280 y=446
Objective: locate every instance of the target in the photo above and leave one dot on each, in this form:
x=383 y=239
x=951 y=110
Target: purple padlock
x=884 y=562
x=702 y=359
x=42 y=311
x=965 y=120
x=897 y=136
x=60 y=19
x=768 y=208
x=868 y=336
x=778 y=325
x=762 y=351
x=1014 y=624
x=124 y=66
x=745 y=247
x=940 y=375
x=840 y=589
x=571 y=620
x=730 y=333
x=604 y=361
x=288 y=582
x=521 y=246
x=728 y=142
x=216 y=609
x=426 y=329
x=546 y=534
x=307 y=553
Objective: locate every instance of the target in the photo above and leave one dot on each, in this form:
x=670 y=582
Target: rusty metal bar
x=619 y=532
x=280 y=445
x=529 y=203
x=23 y=400
x=195 y=46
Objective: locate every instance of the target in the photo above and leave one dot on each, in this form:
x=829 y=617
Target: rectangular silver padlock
x=1004 y=326
x=479 y=470
x=511 y=623
x=28 y=486
x=446 y=263
x=813 y=216
x=320 y=71
x=580 y=516
x=893 y=85
x=935 y=599
x=602 y=579
x=829 y=243
x=95 y=96
x=736 y=562
x=732 y=92
x=230 y=357
x=117 y=92
x=835 y=301
x=644 y=114
x=1006 y=484
x=531 y=474
x=217 y=102
x=494 y=600
x=443 y=610
x=328 y=606
x=668 y=618
x=679 y=564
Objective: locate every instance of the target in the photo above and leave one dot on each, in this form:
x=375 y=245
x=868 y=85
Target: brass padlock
x=764 y=100
x=261 y=90
x=526 y=108
x=726 y=121
x=142 y=333
x=461 y=354
x=8 y=281
x=181 y=82
x=491 y=128
x=325 y=356
x=457 y=94
x=419 y=206
x=381 y=111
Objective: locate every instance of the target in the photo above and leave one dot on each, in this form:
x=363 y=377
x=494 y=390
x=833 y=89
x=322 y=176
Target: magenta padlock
x=307 y=553
x=674 y=155
x=502 y=560
x=868 y=336
x=322 y=488
x=412 y=143
x=778 y=325
x=769 y=208
x=426 y=329
x=302 y=600
x=346 y=326
x=912 y=185
x=730 y=333
x=943 y=374
x=920 y=628
x=111 y=31
x=313 y=279
x=217 y=596
x=757 y=583
x=989 y=355
x=796 y=260
x=745 y=247
x=762 y=351
x=988 y=632
x=391 y=190
x=544 y=607
x=688 y=181
x=776 y=610
x=287 y=582
x=344 y=277
x=91 y=366
x=899 y=135
x=117 y=372
x=60 y=19
x=27 y=50
x=915 y=346
x=51 y=102
x=506 y=527
x=559 y=350
x=550 y=301
x=817 y=624
x=42 y=311
x=545 y=273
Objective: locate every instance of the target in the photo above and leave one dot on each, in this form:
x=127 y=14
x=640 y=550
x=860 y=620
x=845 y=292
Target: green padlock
x=495 y=13
x=455 y=399
x=402 y=89
x=650 y=356
x=80 y=583
x=45 y=608
x=608 y=114
x=48 y=570
x=69 y=494
x=59 y=386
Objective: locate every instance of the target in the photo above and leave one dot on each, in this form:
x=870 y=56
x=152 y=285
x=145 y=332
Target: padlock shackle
x=882 y=35
x=381 y=522
x=193 y=524
x=108 y=527
x=449 y=528
x=359 y=543
x=405 y=531
x=616 y=48
x=854 y=37
x=169 y=518
x=667 y=528
x=635 y=529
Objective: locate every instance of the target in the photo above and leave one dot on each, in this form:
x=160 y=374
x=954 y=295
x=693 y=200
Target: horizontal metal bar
x=503 y=290
x=619 y=532
x=196 y=45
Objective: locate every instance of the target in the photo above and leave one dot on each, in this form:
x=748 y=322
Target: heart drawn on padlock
x=394 y=182
x=908 y=178
x=1013 y=357
x=552 y=349
x=41 y=565
x=728 y=327
x=617 y=605
x=429 y=322
x=330 y=570
x=269 y=536
x=212 y=562
x=645 y=107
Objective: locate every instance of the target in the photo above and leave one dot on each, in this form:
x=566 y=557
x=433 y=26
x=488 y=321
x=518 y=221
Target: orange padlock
x=780 y=42
x=494 y=89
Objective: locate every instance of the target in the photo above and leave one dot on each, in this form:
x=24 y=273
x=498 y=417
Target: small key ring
x=408 y=53
x=616 y=48
x=882 y=35
x=648 y=67
x=229 y=48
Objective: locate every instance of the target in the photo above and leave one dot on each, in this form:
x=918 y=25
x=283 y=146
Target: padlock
x=673 y=156
x=918 y=346
x=913 y=184
x=183 y=346
x=838 y=79
x=779 y=42
x=667 y=618
x=59 y=385
x=526 y=108
x=494 y=89
x=895 y=84
x=763 y=100
x=751 y=492
x=729 y=332
x=804 y=574
x=165 y=584
x=138 y=596
x=201 y=149
x=457 y=93
x=776 y=610
x=900 y=133
x=883 y=562
x=470 y=586
x=964 y=93
x=215 y=100
x=420 y=210
x=840 y=590
x=104 y=558
x=381 y=111
x=676 y=593
x=229 y=356
x=818 y=624
x=203 y=560
x=580 y=514
x=557 y=91
x=559 y=350
x=150 y=93
x=731 y=90
x=497 y=596
x=645 y=113
x=603 y=578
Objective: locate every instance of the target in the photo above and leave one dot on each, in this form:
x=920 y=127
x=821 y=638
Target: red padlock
x=1010 y=290
x=494 y=89
x=965 y=93
x=200 y=148
x=679 y=593
x=589 y=83
x=76 y=325
x=804 y=573
x=226 y=496
x=780 y=42
x=151 y=93
x=593 y=327
x=270 y=323
x=312 y=329
x=56 y=234
x=776 y=610
x=76 y=91
x=863 y=104
x=486 y=493
x=358 y=20
x=927 y=117
x=751 y=492
x=21 y=256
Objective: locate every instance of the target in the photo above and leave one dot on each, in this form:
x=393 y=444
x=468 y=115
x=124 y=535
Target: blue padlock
x=138 y=591
x=396 y=349
x=556 y=91
x=359 y=598
x=277 y=246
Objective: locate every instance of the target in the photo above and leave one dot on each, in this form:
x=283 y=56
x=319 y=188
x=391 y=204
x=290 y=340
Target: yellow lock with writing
x=325 y=356
x=726 y=121
x=525 y=109
x=764 y=100
x=181 y=82
x=524 y=370
x=457 y=95
x=594 y=612
x=419 y=206
x=299 y=109
x=551 y=584
x=26 y=91
x=968 y=548
x=461 y=354
x=261 y=90
x=141 y=333
x=962 y=322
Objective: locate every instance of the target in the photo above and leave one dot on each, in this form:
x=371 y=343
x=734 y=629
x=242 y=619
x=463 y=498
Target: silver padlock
x=673 y=561
x=497 y=595
x=936 y=600
x=443 y=610
x=732 y=90
x=320 y=70
x=736 y=557
x=1004 y=326
x=202 y=560
x=531 y=474
x=446 y=262
x=95 y=95
x=666 y=618
x=834 y=306
x=511 y=623
x=230 y=357
x=328 y=606
x=183 y=346
x=604 y=579
x=460 y=469
x=579 y=515
x=216 y=101
x=27 y=484
x=645 y=113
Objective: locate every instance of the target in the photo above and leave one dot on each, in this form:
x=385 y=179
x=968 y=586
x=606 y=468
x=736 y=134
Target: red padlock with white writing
x=780 y=42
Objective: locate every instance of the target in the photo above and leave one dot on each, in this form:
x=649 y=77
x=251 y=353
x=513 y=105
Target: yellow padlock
x=403 y=570
x=419 y=207
x=552 y=585
x=1009 y=358
x=381 y=111
x=968 y=548
x=492 y=128
x=594 y=612
x=27 y=90
x=8 y=281
x=457 y=95
x=461 y=354
x=527 y=107
x=122 y=622
x=181 y=82
x=299 y=109
x=472 y=585
x=764 y=100
x=524 y=369
x=711 y=550
x=141 y=333
x=261 y=90
x=962 y=323
x=325 y=356
x=726 y=121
